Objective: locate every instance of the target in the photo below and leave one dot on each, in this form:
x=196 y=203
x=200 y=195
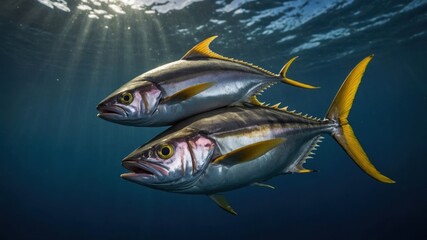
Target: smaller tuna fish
x=234 y=147
x=201 y=81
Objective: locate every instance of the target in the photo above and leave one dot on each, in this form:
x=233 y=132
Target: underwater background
x=60 y=164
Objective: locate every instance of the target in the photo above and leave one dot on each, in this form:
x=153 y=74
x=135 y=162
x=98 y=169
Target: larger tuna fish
x=201 y=81
x=233 y=147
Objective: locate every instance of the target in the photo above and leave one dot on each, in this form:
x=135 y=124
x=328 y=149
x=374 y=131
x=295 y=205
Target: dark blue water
x=60 y=164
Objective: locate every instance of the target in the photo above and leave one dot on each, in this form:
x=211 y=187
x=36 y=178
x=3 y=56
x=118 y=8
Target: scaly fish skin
x=197 y=142
x=197 y=83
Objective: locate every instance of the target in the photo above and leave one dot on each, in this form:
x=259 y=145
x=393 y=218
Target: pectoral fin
x=187 y=93
x=249 y=152
x=222 y=203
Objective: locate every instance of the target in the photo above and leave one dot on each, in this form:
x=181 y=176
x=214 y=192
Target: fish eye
x=165 y=151
x=126 y=98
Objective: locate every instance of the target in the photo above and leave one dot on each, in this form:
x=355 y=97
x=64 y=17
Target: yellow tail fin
x=344 y=135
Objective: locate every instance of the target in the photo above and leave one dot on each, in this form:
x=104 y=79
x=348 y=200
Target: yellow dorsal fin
x=249 y=152
x=202 y=50
x=289 y=81
x=285 y=68
x=187 y=93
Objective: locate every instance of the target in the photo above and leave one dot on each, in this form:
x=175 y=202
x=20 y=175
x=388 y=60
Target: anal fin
x=222 y=203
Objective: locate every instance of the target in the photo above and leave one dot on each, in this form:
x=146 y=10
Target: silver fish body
x=250 y=126
x=233 y=147
x=195 y=84
x=233 y=128
x=231 y=83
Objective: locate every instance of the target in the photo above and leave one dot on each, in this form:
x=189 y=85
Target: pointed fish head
x=171 y=163
x=131 y=104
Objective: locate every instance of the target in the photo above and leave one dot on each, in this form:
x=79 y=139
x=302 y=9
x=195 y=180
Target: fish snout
x=140 y=171
x=110 y=112
x=136 y=167
x=100 y=106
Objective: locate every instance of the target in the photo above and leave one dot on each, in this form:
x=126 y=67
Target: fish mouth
x=138 y=169
x=109 y=112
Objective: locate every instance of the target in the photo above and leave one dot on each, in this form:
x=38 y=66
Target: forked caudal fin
x=344 y=135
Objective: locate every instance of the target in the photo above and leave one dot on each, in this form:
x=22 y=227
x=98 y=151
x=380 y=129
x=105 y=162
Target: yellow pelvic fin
x=249 y=152
x=344 y=135
x=306 y=171
x=290 y=81
x=202 y=50
x=222 y=203
x=187 y=93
